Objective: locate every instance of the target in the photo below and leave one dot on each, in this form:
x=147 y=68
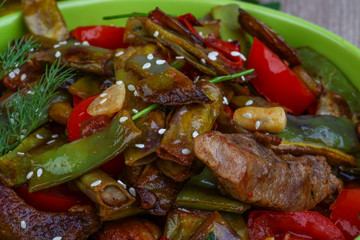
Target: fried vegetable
x=310 y=83
x=86 y=86
x=322 y=69
x=181 y=223
x=59 y=112
x=78 y=223
x=269 y=37
x=236 y=222
x=187 y=122
x=204 y=180
x=115 y=213
x=157 y=192
x=227 y=125
x=217 y=227
x=333 y=132
x=104 y=190
x=152 y=125
x=178 y=172
x=75 y=55
x=195 y=197
x=73 y=159
x=43 y=18
x=332 y=104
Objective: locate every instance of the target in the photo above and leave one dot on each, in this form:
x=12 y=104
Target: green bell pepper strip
x=323 y=70
x=334 y=132
x=73 y=159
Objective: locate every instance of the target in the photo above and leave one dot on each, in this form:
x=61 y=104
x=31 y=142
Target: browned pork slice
x=254 y=174
x=18 y=220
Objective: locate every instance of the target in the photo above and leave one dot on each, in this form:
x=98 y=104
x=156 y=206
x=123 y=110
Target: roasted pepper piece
x=204 y=180
x=82 y=57
x=332 y=104
x=323 y=70
x=76 y=158
x=236 y=222
x=208 y=199
x=114 y=213
x=43 y=18
x=181 y=223
x=178 y=172
x=86 y=86
x=187 y=122
x=150 y=125
x=334 y=132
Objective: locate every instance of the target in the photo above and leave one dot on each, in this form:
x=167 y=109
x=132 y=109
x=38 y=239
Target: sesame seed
x=184 y=210
x=31 y=50
x=257 y=125
x=103 y=101
x=23 y=131
x=135 y=110
x=235 y=53
x=247 y=115
x=56 y=45
x=103 y=94
x=17 y=71
x=63 y=42
x=12 y=75
x=29 y=175
x=119 y=54
x=23 y=77
x=123 y=119
x=96 y=183
x=39 y=172
x=140 y=145
x=121 y=183
x=131 y=87
x=179 y=57
x=243 y=78
x=229 y=40
x=195 y=134
x=77 y=44
x=20 y=153
x=201 y=34
x=249 y=102
x=212 y=55
x=160 y=62
x=203 y=60
x=50 y=142
x=185 y=151
x=22 y=137
x=136 y=94
x=146 y=65
x=30 y=92
x=242 y=57
x=119 y=82
x=39 y=136
x=86 y=43
x=57 y=54
x=54 y=136
x=156 y=33
x=57 y=238
x=132 y=191
x=150 y=56
x=23 y=224
x=225 y=101
x=196 y=79
x=177 y=141
x=162 y=131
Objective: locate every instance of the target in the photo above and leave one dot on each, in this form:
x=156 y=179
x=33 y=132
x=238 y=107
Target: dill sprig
x=29 y=107
x=17 y=54
x=2 y=4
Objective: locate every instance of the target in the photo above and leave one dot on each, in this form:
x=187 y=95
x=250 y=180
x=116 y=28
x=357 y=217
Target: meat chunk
x=130 y=229
x=254 y=174
x=21 y=221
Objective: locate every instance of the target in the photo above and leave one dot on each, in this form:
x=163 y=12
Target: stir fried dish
x=174 y=128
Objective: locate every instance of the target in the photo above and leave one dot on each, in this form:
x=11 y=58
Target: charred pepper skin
x=73 y=159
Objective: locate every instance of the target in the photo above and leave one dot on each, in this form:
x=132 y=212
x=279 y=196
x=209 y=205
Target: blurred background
x=339 y=16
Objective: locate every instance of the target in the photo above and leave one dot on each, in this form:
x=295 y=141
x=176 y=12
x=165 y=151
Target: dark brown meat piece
x=253 y=173
x=21 y=221
x=130 y=229
x=269 y=37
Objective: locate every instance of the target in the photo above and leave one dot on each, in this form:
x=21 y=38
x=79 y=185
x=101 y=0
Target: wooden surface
x=341 y=17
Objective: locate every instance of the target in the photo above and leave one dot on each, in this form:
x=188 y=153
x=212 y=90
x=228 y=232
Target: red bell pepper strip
x=55 y=199
x=276 y=81
x=291 y=225
x=346 y=212
x=109 y=37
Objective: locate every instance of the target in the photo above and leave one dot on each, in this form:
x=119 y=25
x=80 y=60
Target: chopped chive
x=127 y=15
x=145 y=110
x=228 y=77
x=214 y=80
x=178 y=63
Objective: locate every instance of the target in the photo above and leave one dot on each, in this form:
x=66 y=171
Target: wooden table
x=341 y=17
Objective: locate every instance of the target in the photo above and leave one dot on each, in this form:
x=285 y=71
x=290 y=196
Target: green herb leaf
x=17 y=54
x=211 y=236
x=29 y=107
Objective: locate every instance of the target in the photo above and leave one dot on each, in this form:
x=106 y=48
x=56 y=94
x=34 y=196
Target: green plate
x=295 y=31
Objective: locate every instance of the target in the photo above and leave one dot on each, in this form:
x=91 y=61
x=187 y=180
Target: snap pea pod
x=73 y=159
x=334 y=132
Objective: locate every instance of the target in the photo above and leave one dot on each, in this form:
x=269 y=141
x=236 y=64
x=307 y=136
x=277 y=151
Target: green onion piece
x=127 y=15
x=228 y=77
x=145 y=110
x=214 y=80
